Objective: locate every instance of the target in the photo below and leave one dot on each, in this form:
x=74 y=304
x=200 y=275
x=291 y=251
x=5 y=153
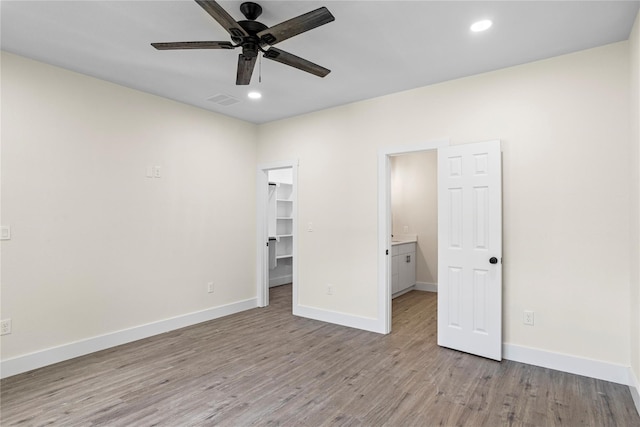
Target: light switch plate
x=5 y=232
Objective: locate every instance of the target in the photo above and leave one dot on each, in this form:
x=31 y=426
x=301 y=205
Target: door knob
x=493 y=260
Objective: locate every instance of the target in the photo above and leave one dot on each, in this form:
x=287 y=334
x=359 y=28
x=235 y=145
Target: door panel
x=470 y=233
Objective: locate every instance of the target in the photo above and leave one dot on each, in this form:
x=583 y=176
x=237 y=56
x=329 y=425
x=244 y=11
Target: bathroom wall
x=414 y=208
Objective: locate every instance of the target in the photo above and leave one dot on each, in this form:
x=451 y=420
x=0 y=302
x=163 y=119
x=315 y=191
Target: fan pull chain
x=260 y=69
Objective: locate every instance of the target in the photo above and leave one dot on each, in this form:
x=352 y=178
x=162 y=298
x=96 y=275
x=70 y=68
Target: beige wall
x=564 y=126
x=634 y=51
x=414 y=204
x=98 y=247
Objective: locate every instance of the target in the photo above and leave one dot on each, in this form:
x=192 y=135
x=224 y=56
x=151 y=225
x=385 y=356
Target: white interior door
x=470 y=248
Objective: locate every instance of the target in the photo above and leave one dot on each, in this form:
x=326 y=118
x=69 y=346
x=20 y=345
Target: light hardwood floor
x=267 y=367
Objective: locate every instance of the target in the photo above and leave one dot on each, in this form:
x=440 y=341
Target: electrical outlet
x=405 y=229
x=528 y=317
x=157 y=172
x=5 y=327
x=210 y=287
x=329 y=289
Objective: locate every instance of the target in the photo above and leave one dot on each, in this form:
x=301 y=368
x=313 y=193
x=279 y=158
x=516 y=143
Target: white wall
x=97 y=247
x=564 y=126
x=281 y=175
x=634 y=51
x=414 y=204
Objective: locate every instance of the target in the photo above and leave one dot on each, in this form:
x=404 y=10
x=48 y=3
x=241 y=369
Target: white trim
x=597 y=369
x=634 y=388
x=28 y=362
x=278 y=281
x=426 y=287
x=384 y=224
x=262 y=262
x=343 y=319
x=418 y=286
x=404 y=291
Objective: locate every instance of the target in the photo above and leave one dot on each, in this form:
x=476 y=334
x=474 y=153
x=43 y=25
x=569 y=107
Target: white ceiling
x=373 y=47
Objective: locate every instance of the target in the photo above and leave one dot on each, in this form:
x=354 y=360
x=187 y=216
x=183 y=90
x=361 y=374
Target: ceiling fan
x=254 y=37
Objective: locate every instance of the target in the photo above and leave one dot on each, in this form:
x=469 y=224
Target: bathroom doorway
x=408 y=227
x=414 y=240
x=469 y=256
x=414 y=222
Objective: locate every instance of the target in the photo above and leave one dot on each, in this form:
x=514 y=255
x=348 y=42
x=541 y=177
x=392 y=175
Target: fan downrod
x=251 y=10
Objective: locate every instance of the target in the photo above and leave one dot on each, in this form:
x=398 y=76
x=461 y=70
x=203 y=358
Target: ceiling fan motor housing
x=250 y=45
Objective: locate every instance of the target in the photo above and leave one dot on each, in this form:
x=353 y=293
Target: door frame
x=384 y=223
x=262 y=230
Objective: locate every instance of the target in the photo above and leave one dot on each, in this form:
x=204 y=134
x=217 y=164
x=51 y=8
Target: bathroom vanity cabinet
x=403 y=267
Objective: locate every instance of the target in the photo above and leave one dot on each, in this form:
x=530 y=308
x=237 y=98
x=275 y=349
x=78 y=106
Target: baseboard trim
x=615 y=373
x=278 y=281
x=39 y=359
x=349 y=320
x=426 y=287
x=634 y=388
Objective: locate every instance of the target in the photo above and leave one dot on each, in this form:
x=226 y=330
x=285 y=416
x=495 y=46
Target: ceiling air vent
x=224 y=100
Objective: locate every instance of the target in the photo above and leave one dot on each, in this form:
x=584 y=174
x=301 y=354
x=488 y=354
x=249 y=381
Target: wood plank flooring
x=266 y=367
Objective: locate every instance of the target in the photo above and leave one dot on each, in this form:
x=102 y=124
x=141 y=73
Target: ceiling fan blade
x=245 y=69
x=287 y=58
x=193 y=45
x=295 y=26
x=219 y=14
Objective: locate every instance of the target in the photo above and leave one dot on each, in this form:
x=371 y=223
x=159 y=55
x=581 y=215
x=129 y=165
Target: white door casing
x=470 y=248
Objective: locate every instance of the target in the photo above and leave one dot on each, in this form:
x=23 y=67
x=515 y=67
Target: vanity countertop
x=404 y=238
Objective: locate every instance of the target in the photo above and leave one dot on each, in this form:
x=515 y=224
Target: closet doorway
x=276 y=229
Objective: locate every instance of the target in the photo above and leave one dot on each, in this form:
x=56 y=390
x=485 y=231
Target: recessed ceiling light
x=483 y=25
x=254 y=95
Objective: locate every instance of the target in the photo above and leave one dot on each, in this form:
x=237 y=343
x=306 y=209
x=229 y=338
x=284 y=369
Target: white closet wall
x=280 y=223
